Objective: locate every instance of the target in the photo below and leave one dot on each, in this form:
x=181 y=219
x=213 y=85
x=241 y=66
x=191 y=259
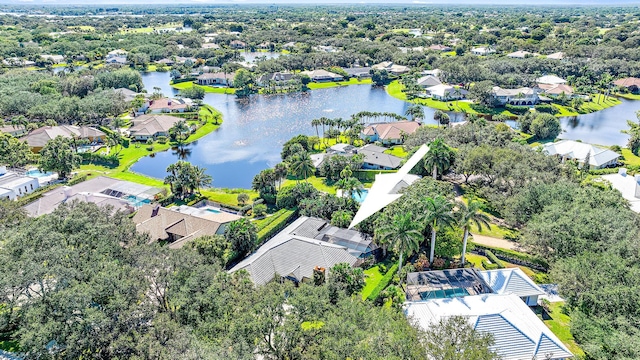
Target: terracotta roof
x=556 y=89
x=394 y=130
x=627 y=82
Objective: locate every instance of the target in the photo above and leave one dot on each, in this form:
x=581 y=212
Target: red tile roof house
x=631 y=83
x=389 y=133
x=166 y=105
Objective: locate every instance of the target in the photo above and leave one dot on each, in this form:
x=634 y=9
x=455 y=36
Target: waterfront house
x=428 y=81
x=358 y=72
x=168 y=105
x=632 y=84
x=216 y=79
x=321 y=75
x=524 y=96
x=391 y=68
x=151 y=126
x=237 y=44
x=443 y=92
x=277 y=78
x=389 y=133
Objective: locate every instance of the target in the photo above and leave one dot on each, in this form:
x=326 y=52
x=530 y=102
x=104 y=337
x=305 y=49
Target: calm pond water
x=254 y=130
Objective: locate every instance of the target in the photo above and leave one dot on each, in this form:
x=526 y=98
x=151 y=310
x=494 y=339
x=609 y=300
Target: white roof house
x=629 y=187
x=482 y=51
x=518 y=333
x=512 y=281
x=385 y=188
x=569 y=149
x=556 y=56
x=303 y=245
x=551 y=80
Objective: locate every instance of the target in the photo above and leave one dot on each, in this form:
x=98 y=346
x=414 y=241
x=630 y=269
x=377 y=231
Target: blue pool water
x=37 y=173
x=444 y=294
x=360 y=197
x=137 y=202
x=214 y=211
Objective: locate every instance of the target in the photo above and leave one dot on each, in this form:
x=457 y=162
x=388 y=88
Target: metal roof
x=511 y=281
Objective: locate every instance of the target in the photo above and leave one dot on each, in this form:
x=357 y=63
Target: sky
x=326 y=2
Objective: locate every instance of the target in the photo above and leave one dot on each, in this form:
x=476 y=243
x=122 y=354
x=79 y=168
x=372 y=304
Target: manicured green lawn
x=324 y=85
x=629 y=96
x=398 y=151
x=372 y=278
x=600 y=102
x=319 y=183
x=630 y=158
x=560 y=326
x=207 y=89
x=494 y=231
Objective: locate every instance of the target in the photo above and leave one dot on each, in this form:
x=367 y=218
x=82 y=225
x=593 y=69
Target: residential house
x=151 y=126
x=524 y=96
x=38 y=138
x=482 y=51
x=277 y=78
x=556 y=56
x=14 y=130
x=326 y=49
x=116 y=53
x=127 y=94
x=117 y=60
x=428 y=81
x=550 y=80
x=237 y=44
x=210 y=45
x=321 y=75
x=440 y=47
x=391 y=68
x=386 y=187
x=390 y=132
x=358 y=72
x=103 y=191
x=305 y=245
x=444 y=92
x=219 y=78
x=556 y=89
x=517 y=331
x=166 y=61
x=435 y=72
x=289 y=46
x=520 y=54
x=341 y=149
x=180 y=225
x=183 y=60
x=631 y=83
x=16 y=61
x=573 y=150
x=376 y=159
x=168 y=105
x=628 y=185
x=266 y=45
x=56 y=59
x=14 y=185
x=512 y=281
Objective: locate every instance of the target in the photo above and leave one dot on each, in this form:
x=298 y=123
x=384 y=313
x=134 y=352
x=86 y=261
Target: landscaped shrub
x=494 y=259
x=517 y=109
x=384 y=282
x=516 y=257
x=546 y=108
x=77 y=179
x=438 y=263
x=487 y=266
x=101 y=159
x=178 y=81
x=259 y=210
x=273 y=228
x=162 y=139
x=422 y=263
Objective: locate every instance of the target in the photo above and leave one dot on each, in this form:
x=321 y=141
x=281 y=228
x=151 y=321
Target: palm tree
x=199 y=178
x=315 y=123
x=469 y=215
x=440 y=157
x=281 y=170
x=302 y=166
x=438 y=215
x=403 y=234
x=415 y=111
x=178 y=130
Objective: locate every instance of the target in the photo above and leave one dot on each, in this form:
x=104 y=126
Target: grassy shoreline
x=136 y=150
x=231 y=91
x=600 y=102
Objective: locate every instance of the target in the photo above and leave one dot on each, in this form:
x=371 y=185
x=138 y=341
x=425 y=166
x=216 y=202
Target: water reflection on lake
x=602 y=127
x=255 y=129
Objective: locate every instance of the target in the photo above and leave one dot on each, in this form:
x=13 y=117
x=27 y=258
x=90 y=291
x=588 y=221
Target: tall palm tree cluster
x=352 y=127
x=186 y=179
x=404 y=232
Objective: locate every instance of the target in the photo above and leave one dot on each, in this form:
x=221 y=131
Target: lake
x=254 y=129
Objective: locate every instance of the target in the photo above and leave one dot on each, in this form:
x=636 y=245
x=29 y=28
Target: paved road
x=495 y=242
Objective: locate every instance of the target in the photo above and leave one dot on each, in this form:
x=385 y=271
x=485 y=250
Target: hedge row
x=37 y=194
x=370 y=175
x=268 y=231
x=546 y=108
x=77 y=179
x=494 y=259
x=515 y=257
x=261 y=224
x=100 y=159
x=516 y=109
x=487 y=266
x=384 y=282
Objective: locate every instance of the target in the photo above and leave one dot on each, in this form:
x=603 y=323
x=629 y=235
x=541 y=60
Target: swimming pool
x=360 y=197
x=137 y=202
x=213 y=211
x=37 y=173
x=444 y=294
